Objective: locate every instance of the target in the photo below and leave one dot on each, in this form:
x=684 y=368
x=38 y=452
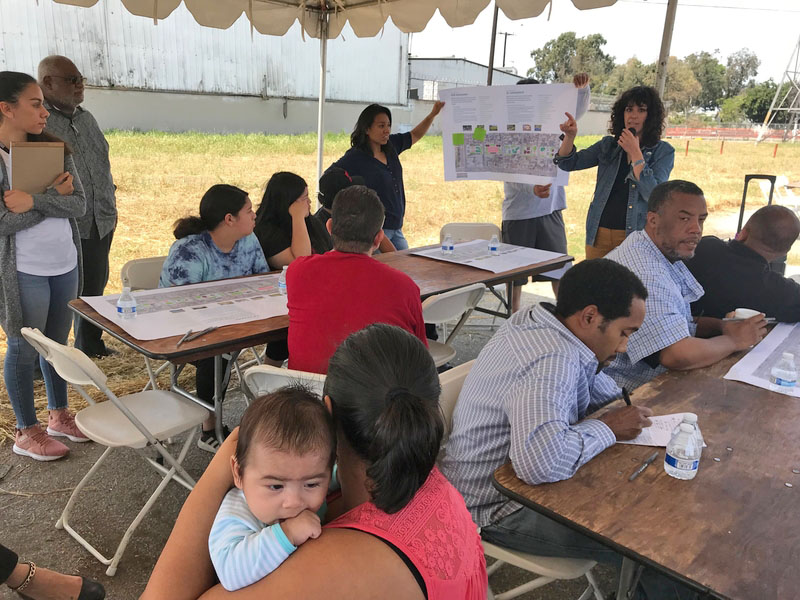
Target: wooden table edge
x=622 y=550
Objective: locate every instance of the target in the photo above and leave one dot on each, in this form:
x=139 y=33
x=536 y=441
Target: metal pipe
x=491 y=47
x=323 y=65
x=666 y=42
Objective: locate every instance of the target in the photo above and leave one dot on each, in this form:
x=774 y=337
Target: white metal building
x=429 y=75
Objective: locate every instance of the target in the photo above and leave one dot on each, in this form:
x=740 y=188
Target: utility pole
x=505 y=41
x=491 y=47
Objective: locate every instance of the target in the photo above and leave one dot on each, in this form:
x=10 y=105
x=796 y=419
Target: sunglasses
x=74 y=80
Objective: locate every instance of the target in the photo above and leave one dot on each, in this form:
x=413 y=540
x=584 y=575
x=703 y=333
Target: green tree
x=710 y=73
x=682 y=88
x=742 y=68
x=625 y=76
x=757 y=99
x=731 y=111
x=561 y=58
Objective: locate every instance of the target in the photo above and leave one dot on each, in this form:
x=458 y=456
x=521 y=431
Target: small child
x=281 y=469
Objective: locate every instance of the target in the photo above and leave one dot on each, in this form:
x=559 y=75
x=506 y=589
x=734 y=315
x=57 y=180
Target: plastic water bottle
x=494 y=246
x=691 y=419
x=683 y=454
x=784 y=373
x=447 y=244
x=282 y=281
x=126 y=304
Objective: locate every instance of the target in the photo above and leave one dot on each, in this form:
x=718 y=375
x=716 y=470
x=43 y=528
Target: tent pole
x=491 y=47
x=323 y=64
x=666 y=42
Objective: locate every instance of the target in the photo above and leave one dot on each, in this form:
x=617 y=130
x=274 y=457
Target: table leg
x=221 y=379
x=174 y=372
x=628 y=578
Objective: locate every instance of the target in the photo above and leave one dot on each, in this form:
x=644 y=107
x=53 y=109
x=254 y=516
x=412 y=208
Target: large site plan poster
x=505 y=133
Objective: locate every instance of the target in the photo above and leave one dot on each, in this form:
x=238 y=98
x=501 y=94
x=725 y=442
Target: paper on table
x=476 y=254
x=659 y=433
x=755 y=366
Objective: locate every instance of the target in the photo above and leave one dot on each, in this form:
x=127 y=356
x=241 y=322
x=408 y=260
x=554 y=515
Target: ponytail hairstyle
x=12 y=83
x=359 y=138
x=384 y=392
x=219 y=201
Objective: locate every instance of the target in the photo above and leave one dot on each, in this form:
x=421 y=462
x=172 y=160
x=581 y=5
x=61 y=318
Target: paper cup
x=745 y=313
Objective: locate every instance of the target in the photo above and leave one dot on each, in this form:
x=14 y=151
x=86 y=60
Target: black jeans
x=8 y=562
x=94 y=252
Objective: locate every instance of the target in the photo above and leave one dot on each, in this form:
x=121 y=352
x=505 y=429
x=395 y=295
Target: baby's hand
x=302 y=527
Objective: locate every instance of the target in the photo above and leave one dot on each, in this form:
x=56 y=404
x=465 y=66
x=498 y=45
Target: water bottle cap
x=126 y=289
x=689 y=418
x=285 y=267
x=686 y=427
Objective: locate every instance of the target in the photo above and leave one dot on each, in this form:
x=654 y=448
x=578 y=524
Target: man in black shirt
x=736 y=274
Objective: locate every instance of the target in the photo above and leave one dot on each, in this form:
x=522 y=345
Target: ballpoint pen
x=184 y=338
x=643 y=466
x=626 y=396
x=194 y=336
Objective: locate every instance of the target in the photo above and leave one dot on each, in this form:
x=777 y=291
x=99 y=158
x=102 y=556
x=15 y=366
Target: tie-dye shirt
x=196 y=258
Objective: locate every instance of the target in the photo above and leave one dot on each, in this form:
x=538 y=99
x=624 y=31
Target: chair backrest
x=142 y=273
x=464 y=232
x=448 y=306
x=262 y=379
x=451 y=382
x=70 y=363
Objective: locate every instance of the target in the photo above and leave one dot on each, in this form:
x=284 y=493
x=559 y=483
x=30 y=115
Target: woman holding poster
x=631 y=162
x=374 y=155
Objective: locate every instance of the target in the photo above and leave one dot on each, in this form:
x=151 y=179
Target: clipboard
x=35 y=165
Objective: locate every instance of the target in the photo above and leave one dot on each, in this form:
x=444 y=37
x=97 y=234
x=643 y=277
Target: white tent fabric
x=366 y=17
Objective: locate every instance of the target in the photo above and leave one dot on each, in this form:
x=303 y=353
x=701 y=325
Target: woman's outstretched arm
x=184 y=570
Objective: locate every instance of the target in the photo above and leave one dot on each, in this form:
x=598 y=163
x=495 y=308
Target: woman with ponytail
x=404 y=532
x=218 y=244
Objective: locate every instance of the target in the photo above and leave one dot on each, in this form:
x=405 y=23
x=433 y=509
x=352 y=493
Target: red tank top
x=436 y=533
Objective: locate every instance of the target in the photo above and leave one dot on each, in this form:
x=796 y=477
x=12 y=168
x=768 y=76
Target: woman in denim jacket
x=631 y=162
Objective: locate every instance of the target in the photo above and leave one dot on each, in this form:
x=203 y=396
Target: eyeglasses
x=74 y=80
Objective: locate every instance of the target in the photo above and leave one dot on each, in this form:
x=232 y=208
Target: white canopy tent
x=324 y=19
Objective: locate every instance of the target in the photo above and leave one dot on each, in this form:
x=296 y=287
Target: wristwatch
x=638 y=162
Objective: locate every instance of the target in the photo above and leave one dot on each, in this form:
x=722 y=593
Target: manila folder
x=35 y=165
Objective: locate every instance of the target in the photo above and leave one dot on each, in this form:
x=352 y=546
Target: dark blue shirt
x=385 y=179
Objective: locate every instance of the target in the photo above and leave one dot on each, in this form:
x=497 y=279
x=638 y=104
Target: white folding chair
x=262 y=379
x=464 y=232
x=134 y=421
x=446 y=307
x=547 y=569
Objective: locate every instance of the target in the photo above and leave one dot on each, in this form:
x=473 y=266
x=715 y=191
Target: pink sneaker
x=62 y=424
x=36 y=444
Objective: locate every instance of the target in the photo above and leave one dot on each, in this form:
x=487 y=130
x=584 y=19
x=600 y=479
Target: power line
x=682 y=5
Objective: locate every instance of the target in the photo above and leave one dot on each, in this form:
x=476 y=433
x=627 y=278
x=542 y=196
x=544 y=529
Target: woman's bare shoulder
x=340 y=564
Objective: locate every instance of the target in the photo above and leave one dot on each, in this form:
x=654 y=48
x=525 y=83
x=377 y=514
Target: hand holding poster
x=505 y=133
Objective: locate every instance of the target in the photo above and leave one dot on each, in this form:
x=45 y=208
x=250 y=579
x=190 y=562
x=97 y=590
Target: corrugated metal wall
x=113 y=48
x=457 y=72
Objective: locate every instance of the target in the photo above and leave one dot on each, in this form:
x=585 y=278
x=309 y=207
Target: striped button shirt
x=243 y=549
x=668 y=318
x=526 y=399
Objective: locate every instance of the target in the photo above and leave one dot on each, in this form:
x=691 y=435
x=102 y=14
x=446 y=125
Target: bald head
x=774 y=227
x=61 y=82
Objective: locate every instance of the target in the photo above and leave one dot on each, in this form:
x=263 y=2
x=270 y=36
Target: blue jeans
x=44 y=306
x=528 y=531
x=396 y=237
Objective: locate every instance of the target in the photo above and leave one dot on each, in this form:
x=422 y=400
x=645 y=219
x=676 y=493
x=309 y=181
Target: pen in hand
x=626 y=396
x=643 y=466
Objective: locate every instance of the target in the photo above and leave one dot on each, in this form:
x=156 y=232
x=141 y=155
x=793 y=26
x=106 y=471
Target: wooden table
x=432 y=277
x=733 y=531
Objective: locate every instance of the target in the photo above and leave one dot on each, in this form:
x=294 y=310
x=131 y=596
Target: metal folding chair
x=263 y=379
x=134 y=421
x=547 y=569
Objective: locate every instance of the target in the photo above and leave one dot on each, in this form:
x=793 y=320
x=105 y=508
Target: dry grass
x=160 y=177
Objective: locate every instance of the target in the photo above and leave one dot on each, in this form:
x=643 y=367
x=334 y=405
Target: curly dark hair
x=641 y=95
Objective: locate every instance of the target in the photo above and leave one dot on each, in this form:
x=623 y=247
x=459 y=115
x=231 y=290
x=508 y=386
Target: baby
x=281 y=469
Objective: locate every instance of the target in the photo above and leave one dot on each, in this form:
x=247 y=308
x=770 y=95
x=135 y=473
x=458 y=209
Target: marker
x=183 y=339
x=626 y=396
x=643 y=466
x=199 y=334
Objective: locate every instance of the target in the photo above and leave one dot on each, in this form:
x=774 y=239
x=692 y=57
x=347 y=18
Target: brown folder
x=35 y=165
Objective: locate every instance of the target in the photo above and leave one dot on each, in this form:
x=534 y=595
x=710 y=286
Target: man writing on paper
x=670 y=338
x=62 y=86
x=532 y=213
x=736 y=274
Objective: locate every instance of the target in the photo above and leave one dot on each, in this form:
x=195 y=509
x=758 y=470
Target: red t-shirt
x=332 y=295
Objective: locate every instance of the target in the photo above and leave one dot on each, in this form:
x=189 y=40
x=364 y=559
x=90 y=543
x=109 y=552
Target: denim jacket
x=606 y=154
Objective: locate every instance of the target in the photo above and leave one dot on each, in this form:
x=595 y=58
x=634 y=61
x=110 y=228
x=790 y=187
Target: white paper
x=659 y=433
x=521 y=127
x=754 y=367
x=476 y=254
x=174 y=311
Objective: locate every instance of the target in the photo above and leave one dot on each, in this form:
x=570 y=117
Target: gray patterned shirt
x=90 y=153
x=526 y=399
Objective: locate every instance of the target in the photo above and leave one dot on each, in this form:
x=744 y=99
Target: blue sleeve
x=258 y=261
x=545 y=446
x=585 y=159
x=242 y=551
x=658 y=170
x=400 y=141
x=184 y=265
